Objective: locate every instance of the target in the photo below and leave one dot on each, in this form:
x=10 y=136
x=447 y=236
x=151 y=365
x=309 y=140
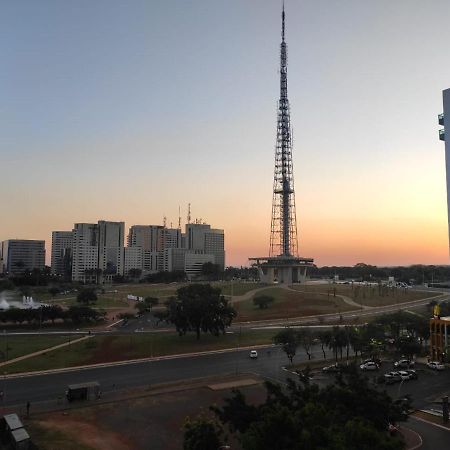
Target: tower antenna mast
x=283 y=235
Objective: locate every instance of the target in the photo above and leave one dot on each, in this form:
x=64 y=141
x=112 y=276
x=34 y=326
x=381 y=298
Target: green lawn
x=238 y=288
x=290 y=304
x=369 y=295
x=122 y=347
x=17 y=346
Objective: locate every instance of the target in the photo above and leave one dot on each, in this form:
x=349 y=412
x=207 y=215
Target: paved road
x=19 y=390
x=433 y=438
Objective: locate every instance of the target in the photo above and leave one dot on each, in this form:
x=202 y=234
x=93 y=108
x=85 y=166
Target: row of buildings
x=96 y=252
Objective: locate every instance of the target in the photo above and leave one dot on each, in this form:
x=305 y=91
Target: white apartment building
x=84 y=251
x=133 y=259
x=61 y=260
x=150 y=239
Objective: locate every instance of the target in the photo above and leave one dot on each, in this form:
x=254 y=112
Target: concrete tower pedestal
x=282 y=269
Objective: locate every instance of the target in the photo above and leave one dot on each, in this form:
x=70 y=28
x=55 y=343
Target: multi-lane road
x=47 y=387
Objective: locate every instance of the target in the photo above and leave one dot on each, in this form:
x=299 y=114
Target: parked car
x=331 y=369
x=405 y=376
x=253 y=354
x=392 y=377
x=412 y=374
x=369 y=365
x=403 y=364
x=435 y=365
x=375 y=360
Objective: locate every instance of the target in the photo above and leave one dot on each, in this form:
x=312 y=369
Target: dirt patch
x=149 y=422
x=88 y=434
x=234 y=384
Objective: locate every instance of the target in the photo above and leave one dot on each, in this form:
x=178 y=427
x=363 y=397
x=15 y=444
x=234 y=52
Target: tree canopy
x=200 y=308
x=346 y=415
x=87 y=295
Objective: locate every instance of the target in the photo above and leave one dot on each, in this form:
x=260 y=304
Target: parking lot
x=426 y=391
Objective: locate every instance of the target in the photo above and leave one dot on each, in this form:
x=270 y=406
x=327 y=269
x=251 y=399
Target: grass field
x=100 y=349
x=238 y=288
x=369 y=295
x=290 y=304
x=16 y=346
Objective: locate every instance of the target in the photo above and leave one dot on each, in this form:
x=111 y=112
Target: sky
x=126 y=110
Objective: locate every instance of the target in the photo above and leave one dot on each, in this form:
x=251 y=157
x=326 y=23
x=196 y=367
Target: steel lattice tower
x=283 y=235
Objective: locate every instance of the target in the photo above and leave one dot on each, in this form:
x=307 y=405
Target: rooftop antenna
x=189 y=213
x=179 y=217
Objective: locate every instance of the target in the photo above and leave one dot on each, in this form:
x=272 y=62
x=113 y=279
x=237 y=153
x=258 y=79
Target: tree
x=289 y=341
x=306 y=339
x=87 y=295
x=211 y=271
x=324 y=338
x=202 y=433
x=150 y=302
x=135 y=274
x=263 y=301
x=348 y=414
x=200 y=308
x=141 y=307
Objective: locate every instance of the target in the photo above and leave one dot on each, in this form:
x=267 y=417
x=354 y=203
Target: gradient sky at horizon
x=124 y=110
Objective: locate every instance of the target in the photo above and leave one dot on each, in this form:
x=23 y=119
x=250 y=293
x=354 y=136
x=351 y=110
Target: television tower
x=283 y=234
x=283 y=265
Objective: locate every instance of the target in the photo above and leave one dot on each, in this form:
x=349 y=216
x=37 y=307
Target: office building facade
x=61 y=259
x=22 y=255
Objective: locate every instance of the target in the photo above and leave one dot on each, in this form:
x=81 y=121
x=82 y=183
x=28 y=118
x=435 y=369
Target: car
x=405 y=376
x=369 y=365
x=253 y=354
x=412 y=373
x=331 y=369
x=392 y=377
x=403 y=364
x=375 y=360
x=435 y=365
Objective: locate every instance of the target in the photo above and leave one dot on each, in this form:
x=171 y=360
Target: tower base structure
x=282 y=269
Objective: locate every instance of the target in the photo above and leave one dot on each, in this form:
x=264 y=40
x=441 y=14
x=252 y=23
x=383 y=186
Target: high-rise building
x=133 y=259
x=20 y=255
x=200 y=236
x=61 y=262
x=444 y=121
x=85 y=241
x=111 y=248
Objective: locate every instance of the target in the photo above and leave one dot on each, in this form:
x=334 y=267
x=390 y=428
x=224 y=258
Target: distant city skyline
x=126 y=111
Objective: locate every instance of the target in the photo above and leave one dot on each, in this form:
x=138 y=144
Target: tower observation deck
x=283 y=263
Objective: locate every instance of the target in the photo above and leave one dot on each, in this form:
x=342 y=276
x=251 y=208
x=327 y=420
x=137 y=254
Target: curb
x=132 y=361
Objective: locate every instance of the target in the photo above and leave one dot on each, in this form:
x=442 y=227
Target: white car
x=405 y=376
x=435 y=365
x=253 y=354
x=404 y=363
x=369 y=365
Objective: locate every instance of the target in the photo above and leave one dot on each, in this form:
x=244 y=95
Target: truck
x=83 y=391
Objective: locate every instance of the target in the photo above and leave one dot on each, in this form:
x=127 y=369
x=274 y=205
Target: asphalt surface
x=433 y=437
x=45 y=387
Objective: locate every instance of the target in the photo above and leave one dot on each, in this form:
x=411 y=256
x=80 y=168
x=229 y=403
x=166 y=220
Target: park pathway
x=45 y=350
